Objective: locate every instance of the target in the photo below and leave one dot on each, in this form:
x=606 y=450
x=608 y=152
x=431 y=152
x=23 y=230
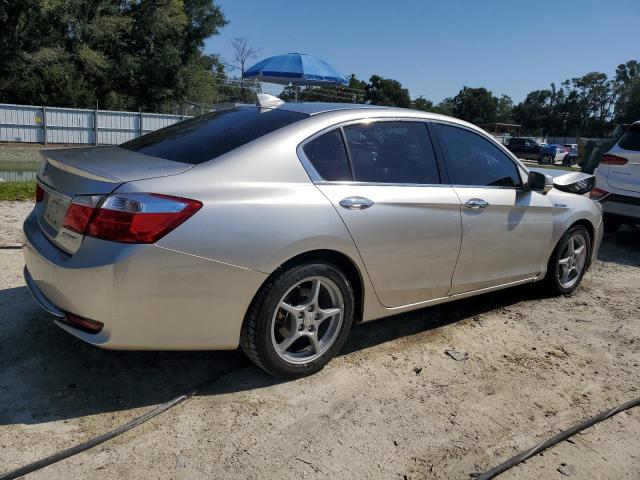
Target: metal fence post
x=141 y=126
x=44 y=125
x=95 y=127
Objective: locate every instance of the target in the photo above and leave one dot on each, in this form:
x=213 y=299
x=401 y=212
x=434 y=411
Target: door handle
x=476 y=203
x=356 y=203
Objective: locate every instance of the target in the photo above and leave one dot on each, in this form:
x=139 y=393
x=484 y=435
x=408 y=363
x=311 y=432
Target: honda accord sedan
x=277 y=227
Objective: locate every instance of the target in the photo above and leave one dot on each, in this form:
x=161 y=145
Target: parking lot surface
x=392 y=405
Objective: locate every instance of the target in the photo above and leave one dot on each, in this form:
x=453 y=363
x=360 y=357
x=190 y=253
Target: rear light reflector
x=140 y=217
x=39 y=193
x=608 y=159
x=598 y=194
x=84 y=324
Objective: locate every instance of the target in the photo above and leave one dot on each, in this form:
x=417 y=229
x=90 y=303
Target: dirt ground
x=392 y=405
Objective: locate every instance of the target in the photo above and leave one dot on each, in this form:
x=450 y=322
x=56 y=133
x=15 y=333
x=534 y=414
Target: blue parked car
x=550 y=154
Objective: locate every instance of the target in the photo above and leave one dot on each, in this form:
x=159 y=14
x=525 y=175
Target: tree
x=243 y=52
x=386 y=91
x=120 y=54
x=626 y=86
x=595 y=91
x=504 y=109
x=423 y=104
x=475 y=105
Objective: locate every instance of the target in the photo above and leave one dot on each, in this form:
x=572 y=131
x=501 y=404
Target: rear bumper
x=147 y=297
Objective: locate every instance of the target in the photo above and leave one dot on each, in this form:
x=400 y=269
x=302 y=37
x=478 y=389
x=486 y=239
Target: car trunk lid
x=83 y=176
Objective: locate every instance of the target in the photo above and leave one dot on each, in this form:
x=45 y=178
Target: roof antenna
x=268 y=101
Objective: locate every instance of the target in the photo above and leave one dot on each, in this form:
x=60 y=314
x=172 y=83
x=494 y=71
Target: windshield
x=208 y=136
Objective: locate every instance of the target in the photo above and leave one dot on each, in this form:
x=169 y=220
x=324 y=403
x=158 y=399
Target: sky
x=434 y=48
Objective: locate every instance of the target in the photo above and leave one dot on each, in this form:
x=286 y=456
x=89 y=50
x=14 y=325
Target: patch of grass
x=553 y=167
x=21 y=191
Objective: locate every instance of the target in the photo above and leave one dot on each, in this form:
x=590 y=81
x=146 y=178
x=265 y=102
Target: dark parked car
x=524 y=148
x=571 y=158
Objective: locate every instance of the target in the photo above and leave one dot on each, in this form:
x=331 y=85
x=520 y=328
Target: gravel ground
x=392 y=405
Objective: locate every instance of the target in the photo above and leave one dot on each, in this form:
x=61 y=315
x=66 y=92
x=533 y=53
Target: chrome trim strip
x=39 y=297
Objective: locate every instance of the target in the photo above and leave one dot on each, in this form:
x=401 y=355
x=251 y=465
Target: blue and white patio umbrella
x=296 y=69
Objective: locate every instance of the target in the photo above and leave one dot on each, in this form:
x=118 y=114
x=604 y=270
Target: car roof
x=317 y=108
x=314 y=108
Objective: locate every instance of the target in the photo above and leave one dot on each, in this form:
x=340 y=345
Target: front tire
x=569 y=261
x=299 y=320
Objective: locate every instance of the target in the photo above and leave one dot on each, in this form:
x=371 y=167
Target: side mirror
x=539 y=182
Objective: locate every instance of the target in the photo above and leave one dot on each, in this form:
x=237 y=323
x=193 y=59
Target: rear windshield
x=208 y=136
x=631 y=139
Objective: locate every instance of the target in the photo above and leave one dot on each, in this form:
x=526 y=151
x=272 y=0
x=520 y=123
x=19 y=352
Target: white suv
x=618 y=181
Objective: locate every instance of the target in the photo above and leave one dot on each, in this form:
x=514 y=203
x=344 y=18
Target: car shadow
x=621 y=247
x=48 y=375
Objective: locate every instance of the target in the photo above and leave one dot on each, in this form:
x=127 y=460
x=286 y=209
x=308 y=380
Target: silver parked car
x=277 y=227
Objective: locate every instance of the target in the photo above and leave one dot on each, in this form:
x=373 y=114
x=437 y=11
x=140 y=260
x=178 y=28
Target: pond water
x=18 y=171
x=18 y=175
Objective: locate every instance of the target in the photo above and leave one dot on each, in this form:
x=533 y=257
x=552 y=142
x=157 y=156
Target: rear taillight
x=608 y=159
x=39 y=193
x=139 y=217
x=598 y=194
x=79 y=213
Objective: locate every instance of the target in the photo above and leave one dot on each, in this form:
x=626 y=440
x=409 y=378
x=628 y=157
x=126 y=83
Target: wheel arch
x=340 y=260
x=590 y=230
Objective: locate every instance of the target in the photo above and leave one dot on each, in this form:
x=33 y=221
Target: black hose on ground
x=56 y=457
x=69 y=452
x=521 y=457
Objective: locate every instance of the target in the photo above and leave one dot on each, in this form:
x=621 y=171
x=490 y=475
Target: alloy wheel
x=573 y=258
x=307 y=320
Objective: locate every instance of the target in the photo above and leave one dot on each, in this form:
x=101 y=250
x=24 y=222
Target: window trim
x=521 y=173
x=318 y=180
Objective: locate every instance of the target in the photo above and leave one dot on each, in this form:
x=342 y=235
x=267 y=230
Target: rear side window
x=329 y=157
x=392 y=152
x=474 y=160
x=631 y=139
x=208 y=136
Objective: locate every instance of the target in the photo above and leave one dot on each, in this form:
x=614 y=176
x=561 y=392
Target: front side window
x=328 y=156
x=392 y=152
x=474 y=160
x=208 y=136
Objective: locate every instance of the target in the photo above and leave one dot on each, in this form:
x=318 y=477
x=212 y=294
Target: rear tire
x=292 y=328
x=568 y=262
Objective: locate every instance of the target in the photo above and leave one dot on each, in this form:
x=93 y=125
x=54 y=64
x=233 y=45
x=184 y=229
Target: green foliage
x=423 y=104
x=122 y=54
x=627 y=90
x=17 y=191
x=386 y=91
x=475 y=105
x=504 y=109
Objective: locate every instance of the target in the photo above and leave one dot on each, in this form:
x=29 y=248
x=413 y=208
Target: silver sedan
x=279 y=226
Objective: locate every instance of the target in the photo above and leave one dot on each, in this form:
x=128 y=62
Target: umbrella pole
x=295 y=89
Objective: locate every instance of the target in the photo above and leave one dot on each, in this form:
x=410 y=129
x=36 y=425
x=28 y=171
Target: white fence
x=34 y=124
